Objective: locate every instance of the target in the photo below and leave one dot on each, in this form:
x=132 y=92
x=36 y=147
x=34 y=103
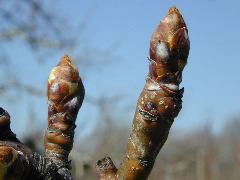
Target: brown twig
x=65 y=95
x=159 y=102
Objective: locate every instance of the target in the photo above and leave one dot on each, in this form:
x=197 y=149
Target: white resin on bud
x=153 y=87
x=172 y=87
x=162 y=51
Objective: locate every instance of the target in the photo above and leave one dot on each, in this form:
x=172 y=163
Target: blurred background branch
x=34 y=22
x=45 y=31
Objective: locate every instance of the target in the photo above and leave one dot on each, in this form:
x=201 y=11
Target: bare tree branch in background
x=40 y=26
x=34 y=22
x=200 y=153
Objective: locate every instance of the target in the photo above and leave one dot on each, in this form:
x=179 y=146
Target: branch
x=65 y=95
x=159 y=102
x=17 y=161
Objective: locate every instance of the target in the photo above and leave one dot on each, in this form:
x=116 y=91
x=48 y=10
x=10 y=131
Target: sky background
x=211 y=77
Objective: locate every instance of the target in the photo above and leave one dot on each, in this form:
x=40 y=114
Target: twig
x=159 y=102
x=17 y=161
x=65 y=96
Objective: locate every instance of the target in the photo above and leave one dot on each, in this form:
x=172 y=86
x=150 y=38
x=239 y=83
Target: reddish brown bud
x=169 y=47
x=65 y=95
x=64 y=82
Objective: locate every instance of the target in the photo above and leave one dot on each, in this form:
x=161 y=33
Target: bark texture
x=158 y=104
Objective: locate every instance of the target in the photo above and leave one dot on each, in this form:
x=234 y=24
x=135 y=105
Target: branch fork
x=158 y=104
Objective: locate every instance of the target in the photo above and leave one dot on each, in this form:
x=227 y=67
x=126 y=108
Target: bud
x=65 y=95
x=169 y=49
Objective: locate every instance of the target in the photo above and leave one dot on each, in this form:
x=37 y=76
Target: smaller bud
x=64 y=81
x=65 y=95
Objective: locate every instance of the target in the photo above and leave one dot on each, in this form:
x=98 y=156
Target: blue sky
x=211 y=78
